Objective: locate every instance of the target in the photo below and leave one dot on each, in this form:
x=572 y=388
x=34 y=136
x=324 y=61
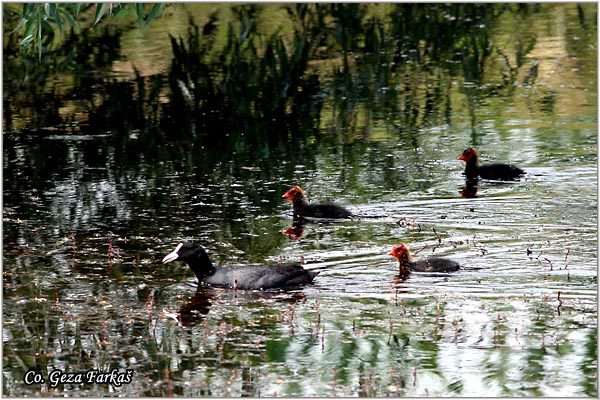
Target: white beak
x=173 y=255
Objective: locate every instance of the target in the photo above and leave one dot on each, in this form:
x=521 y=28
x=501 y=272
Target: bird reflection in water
x=470 y=189
x=296 y=231
x=197 y=309
x=401 y=278
x=194 y=311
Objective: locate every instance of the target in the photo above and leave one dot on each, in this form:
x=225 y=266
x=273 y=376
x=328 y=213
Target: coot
x=432 y=264
x=252 y=277
x=303 y=208
x=496 y=171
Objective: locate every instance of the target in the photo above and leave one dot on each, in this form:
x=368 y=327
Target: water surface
x=87 y=218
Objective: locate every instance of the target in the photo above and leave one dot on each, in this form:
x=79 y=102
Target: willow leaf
x=140 y=14
x=100 y=11
x=153 y=12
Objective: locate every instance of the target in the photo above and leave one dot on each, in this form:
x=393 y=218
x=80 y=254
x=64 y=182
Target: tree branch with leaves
x=37 y=24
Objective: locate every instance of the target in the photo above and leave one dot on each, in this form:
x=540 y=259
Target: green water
x=88 y=216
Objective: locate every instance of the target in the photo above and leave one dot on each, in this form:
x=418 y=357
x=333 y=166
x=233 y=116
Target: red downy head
x=399 y=252
x=470 y=155
x=294 y=194
x=402 y=254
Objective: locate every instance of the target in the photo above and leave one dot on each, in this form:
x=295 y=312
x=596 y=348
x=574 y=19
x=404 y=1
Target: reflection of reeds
x=391 y=326
x=398 y=61
x=254 y=80
x=74 y=245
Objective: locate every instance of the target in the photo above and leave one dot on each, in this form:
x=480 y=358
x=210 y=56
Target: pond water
x=88 y=219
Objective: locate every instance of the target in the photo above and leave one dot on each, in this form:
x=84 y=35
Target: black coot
x=431 y=264
x=496 y=171
x=303 y=208
x=251 y=277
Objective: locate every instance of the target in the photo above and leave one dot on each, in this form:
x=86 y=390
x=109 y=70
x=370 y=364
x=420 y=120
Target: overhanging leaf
x=153 y=12
x=139 y=11
x=100 y=11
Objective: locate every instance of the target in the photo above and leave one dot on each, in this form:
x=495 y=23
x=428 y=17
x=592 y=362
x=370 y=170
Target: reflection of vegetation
x=243 y=87
x=38 y=23
x=154 y=174
x=32 y=89
x=589 y=368
x=401 y=62
x=230 y=82
x=259 y=96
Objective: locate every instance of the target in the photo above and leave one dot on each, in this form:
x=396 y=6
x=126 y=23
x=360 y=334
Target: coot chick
x=495 y=171
x=432 y=264
x=251 y=277
x=303 y=208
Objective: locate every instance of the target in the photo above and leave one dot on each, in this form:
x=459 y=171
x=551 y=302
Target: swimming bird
x=251 y=277
x=431 y=264
x=495 y=171
x=303 y=208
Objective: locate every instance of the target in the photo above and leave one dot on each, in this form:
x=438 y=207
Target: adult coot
x=496 y=171
x=251 y=277
x=303 y=208
x=432 y=264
